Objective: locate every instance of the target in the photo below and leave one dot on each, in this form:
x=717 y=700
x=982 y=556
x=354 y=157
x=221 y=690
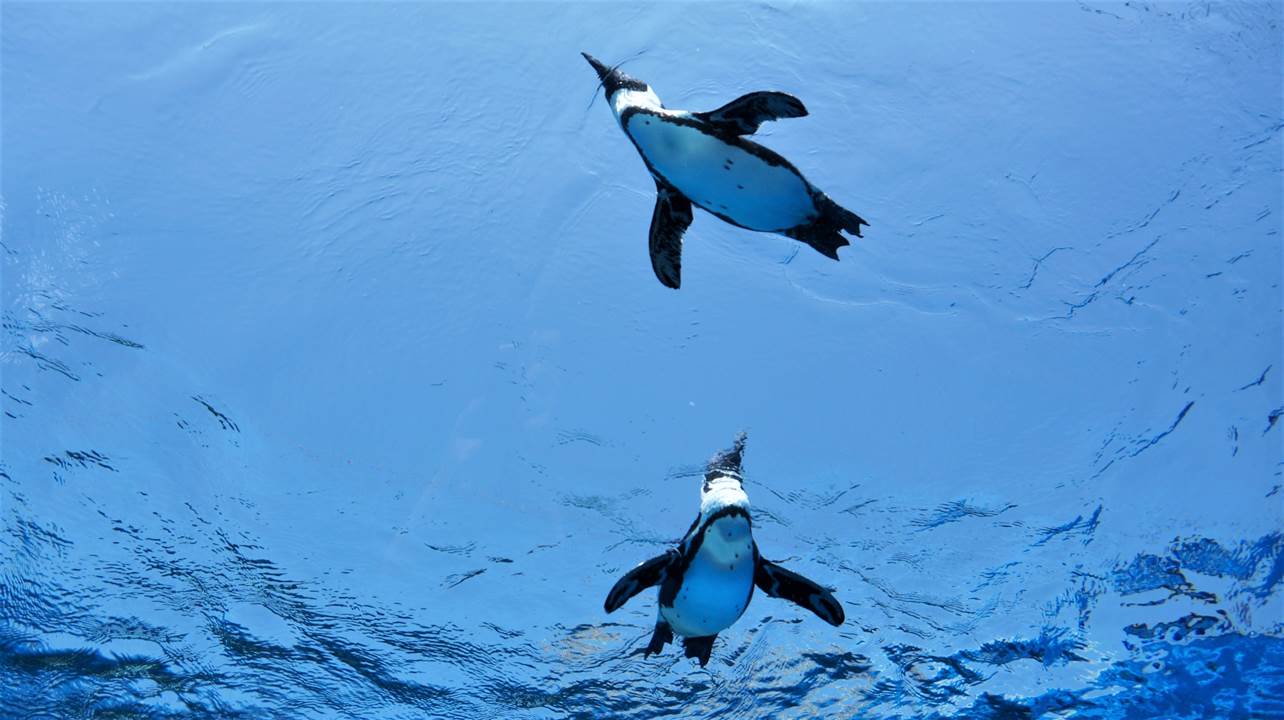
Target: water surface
x=336 y=381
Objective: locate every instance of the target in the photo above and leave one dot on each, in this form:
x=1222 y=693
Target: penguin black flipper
x=669 y=221
x=787 y=585
x=651 y=572
x=743 y=115
x=699 y=648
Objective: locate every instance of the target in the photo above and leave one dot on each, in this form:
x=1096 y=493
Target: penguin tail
x=824 y=233
x=849 y=221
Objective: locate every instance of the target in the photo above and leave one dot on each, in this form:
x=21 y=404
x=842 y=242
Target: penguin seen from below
x=707 y=580
x=704 y=159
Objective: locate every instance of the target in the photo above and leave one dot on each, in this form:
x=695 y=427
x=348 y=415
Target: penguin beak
x=602 y=70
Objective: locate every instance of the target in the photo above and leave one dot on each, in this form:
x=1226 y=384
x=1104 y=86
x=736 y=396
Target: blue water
x=337 y=383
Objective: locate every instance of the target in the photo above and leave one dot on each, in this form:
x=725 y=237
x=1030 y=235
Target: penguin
x=706 y=582
x=705 y=159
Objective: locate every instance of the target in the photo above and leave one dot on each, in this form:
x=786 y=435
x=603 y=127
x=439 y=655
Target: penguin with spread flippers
x=704 y=159
x=707 y=580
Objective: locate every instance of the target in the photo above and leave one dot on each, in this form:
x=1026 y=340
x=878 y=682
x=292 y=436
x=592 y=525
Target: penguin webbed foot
x=823 y=239
x=823 y=233
x=699 y=648
x=838 y=217
x=662 y=636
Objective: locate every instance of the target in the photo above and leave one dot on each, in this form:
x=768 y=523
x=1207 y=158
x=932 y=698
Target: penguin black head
x=723 y=488
x=726 y=463
x=612 y=79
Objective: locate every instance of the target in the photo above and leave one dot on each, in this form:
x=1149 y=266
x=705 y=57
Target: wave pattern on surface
x=336 y=383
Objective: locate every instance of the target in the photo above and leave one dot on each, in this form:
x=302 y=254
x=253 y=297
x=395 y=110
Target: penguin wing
x=787 y=585
x=669 y=221
x=651 y=572
x=743 y=115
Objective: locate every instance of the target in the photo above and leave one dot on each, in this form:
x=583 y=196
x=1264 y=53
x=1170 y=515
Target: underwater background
x=337 y=383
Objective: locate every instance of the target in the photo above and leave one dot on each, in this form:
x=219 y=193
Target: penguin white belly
x=723 y=178
x=713 y=594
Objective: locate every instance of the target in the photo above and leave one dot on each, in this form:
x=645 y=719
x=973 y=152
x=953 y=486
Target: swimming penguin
x=706 y=582
x=703 y=159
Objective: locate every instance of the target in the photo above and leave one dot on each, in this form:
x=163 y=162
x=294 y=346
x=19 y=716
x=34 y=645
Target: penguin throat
x=626 y=98
x=728 y=540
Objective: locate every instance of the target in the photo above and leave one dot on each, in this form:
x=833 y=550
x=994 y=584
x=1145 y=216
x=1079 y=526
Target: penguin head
x=612 y=79
x=723 y=485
